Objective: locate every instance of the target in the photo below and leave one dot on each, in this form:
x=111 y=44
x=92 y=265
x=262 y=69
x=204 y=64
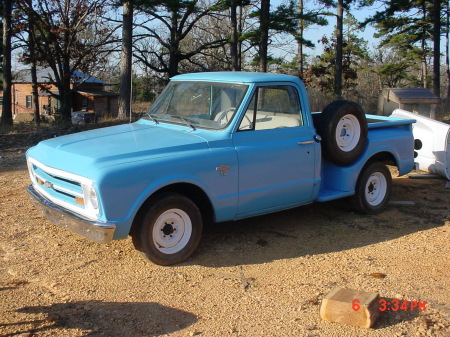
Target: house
x=89 y=96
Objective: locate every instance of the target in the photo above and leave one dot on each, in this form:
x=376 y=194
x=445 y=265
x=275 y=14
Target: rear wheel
x=373 y=189
x=170 y=230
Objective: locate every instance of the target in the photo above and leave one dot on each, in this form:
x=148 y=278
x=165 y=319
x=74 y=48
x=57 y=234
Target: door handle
x=306 y=142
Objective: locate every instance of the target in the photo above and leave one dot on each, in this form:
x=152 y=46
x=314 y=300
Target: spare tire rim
x=172 y=231
x=376 y=188
x=348 y=133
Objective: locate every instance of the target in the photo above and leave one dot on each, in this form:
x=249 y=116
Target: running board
x=327 y=195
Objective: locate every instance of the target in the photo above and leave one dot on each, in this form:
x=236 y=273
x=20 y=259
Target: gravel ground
x=264 y=276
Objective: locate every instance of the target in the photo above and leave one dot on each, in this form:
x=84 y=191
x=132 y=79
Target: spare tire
x=343 y=128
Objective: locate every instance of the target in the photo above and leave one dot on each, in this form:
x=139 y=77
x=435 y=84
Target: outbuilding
x=419 y=101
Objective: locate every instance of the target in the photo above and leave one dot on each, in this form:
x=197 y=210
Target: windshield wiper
x=148 y=116
x=186 y=122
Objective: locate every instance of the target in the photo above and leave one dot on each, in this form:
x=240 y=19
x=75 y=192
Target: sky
x=315 y=33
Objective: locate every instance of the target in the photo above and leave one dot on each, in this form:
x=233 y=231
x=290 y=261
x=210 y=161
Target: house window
x=84 y=104
x=28 y=101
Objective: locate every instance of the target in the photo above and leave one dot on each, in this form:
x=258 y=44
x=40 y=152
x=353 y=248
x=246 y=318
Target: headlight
x=90 y=197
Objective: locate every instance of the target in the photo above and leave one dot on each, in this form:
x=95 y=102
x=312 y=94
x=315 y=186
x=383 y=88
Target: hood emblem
x=223 y=169
x=48 y=184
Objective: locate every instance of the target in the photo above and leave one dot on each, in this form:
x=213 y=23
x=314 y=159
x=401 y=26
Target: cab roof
x=236 y=77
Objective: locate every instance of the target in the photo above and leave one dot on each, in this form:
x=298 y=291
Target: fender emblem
x=223 y=169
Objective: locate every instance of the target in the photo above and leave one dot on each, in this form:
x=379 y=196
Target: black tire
x=343 y=128
x=156 y=233
x=373 y=189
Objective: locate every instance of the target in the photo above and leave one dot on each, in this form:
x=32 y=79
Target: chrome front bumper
x=96 y=231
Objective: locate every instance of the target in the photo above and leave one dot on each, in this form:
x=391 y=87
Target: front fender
x=125 y=188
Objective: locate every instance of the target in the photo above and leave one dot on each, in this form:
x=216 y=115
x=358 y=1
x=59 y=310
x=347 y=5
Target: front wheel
x=170 y=230
x=373 y=189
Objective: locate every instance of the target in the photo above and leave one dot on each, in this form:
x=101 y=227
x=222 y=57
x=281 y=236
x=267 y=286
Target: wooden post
x=353 y=307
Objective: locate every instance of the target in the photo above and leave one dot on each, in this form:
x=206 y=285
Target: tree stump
x=353 y=307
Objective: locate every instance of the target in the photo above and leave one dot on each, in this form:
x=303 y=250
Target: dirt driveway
x=259 y=277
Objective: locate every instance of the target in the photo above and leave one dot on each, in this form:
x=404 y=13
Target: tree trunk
x=34 y=90
x=300 y=43
x=31 y=47
x=65 y=100
x=240 y=32
x=339 y=47
x=424 y=74
x=234 y=36
x=174 y=52
x=6 y=118
x=447 y=51
x=126 y=61
x=65 y=94
x=264 y=30
x=437 y=48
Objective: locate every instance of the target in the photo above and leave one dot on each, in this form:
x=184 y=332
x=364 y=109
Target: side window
x=84 y=103
x=273 y=107
x=28 y=100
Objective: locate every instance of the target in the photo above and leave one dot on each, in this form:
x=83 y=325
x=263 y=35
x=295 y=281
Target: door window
x=273 y=107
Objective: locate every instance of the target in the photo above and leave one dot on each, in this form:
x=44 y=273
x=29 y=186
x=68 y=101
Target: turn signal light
x=79 y=201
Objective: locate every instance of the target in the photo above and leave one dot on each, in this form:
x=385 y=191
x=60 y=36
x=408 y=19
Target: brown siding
x=102 y=105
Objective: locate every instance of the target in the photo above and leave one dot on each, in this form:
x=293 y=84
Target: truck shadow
x=97 y=318
x=323 y=227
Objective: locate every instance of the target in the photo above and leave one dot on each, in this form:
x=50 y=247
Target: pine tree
x=354 y=54
x=408 y=26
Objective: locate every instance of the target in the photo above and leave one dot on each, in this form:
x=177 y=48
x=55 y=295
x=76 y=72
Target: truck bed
x=376 y=122
x=339 y=181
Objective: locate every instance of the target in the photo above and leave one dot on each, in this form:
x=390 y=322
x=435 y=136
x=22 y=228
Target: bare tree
x=177 y=19
x=6 y=118
x=32 y=53
x=126 y=60
x=72 y=38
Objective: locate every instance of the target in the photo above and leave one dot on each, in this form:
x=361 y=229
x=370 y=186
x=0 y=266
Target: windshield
x=198 y=104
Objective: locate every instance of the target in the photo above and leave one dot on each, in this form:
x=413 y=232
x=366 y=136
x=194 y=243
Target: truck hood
x=113 y=145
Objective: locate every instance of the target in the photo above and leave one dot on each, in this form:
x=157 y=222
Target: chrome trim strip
x=96 y=231
x=60 y=188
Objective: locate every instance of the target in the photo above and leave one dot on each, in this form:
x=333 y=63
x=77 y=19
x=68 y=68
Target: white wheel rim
x=348 y=133
x=172 y=231
x=376 y=189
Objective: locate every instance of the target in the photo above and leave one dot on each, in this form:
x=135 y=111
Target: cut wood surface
x=353 y=307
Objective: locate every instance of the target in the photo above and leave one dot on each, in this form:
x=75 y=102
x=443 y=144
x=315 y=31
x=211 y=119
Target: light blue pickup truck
x=215 y=147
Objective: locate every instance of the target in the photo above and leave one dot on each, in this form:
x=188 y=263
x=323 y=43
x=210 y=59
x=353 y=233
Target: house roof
x=96 y=92
x=410 y=95
x=45 y=75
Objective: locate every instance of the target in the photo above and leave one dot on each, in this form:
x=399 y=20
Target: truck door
x=276 y=152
